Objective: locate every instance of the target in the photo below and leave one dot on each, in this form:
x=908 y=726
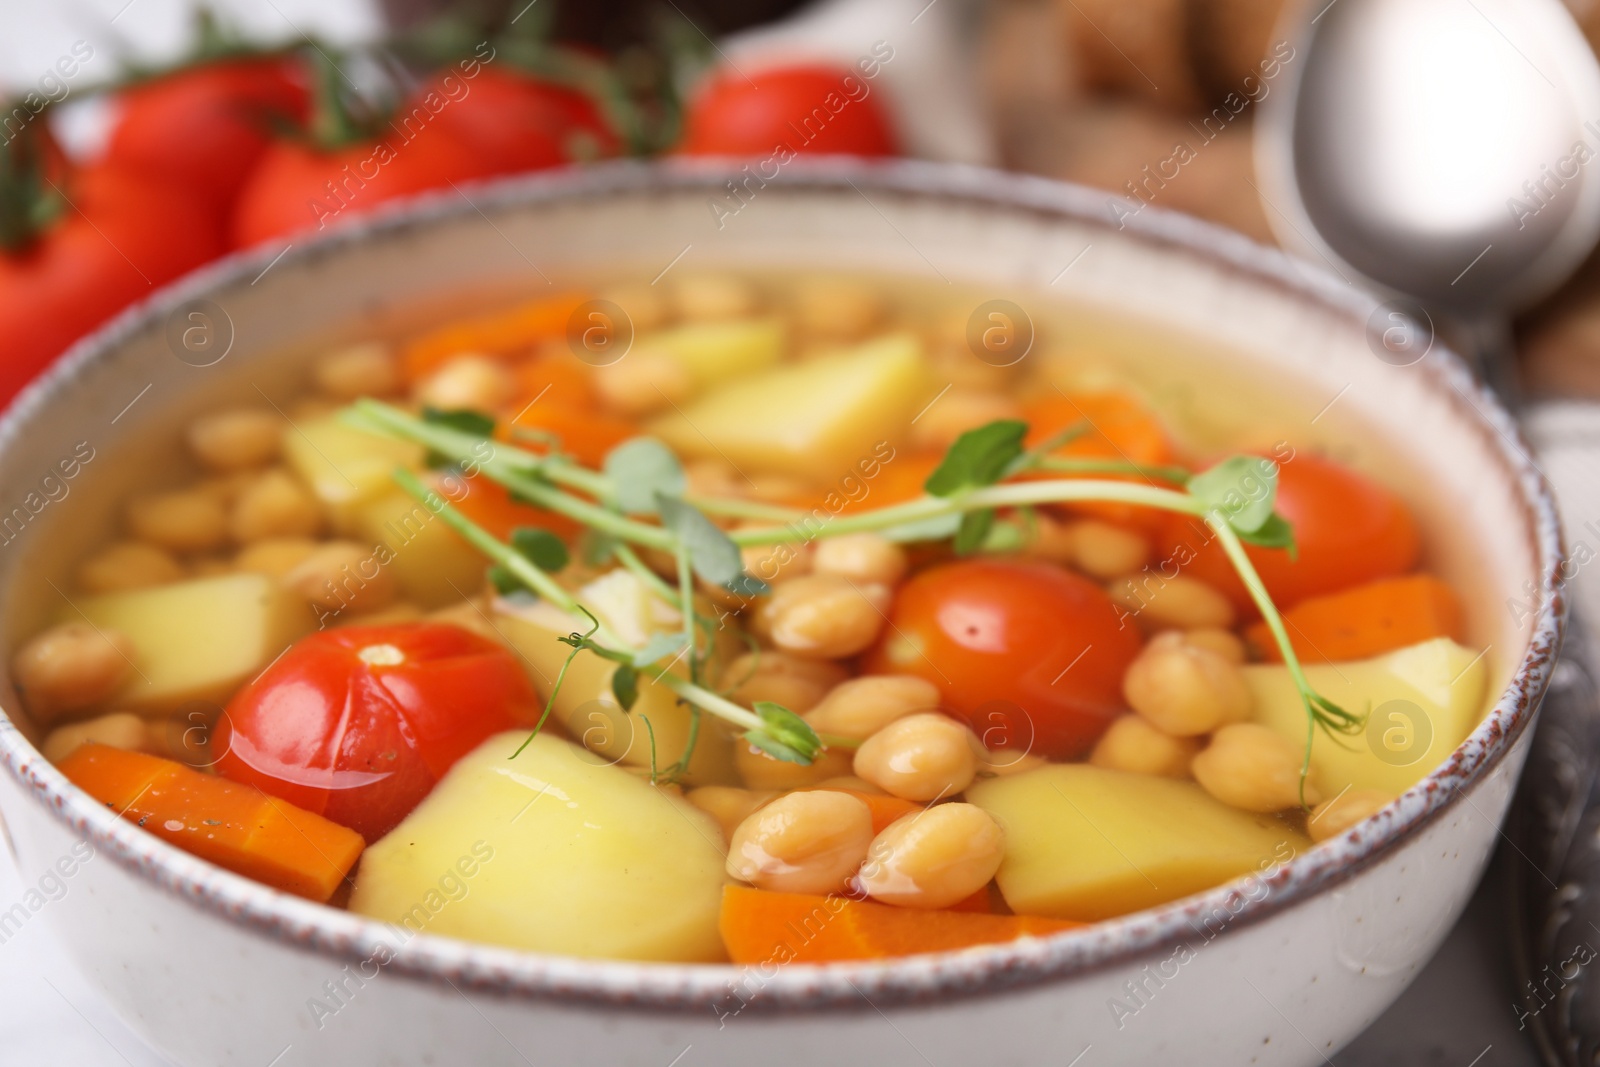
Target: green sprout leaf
x=712 y=553
x=973 y=531
x=659 y=647
x=464 y=419
x=1274 y=533
x=979 y=457
x=747 y=585
x=1242 y=489
x=625 y=685
x=783 y=734
x=641 y=469
x=541 y=547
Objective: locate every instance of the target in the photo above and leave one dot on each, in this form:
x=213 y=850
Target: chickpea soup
x=641 y=622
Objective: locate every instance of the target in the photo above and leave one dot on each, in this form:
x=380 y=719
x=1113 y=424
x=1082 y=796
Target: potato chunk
x=197 y=640
x=813 y=419
x=1421 y=703
x=346 y=467
x=434 y=566
x=585 y=705
x=1089 y=843
x=553 y=851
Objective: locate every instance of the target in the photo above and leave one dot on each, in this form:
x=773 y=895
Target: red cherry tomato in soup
x=1348 y=530
x=204 y=128
x=357 y=724
x=1029 y=654
x=807 y=108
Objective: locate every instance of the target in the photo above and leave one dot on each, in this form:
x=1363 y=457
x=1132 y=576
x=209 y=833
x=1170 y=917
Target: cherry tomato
x=203 y=129
x=117 y=237
x=1348 y=530
x=357 y=724
x=299 y=187
x=1030 y=655
x=517 y=122
x=808 y=108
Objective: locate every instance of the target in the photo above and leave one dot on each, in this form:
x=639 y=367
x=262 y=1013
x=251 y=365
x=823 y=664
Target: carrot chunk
x=1119 y=428
x=513 y=331
x=233 y=825
x=761 y=927
x=1365 y=621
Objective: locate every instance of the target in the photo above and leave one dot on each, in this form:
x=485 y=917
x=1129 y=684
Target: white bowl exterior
x=1287 y=984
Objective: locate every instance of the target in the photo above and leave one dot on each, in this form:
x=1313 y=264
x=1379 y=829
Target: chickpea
x=728 y=804
x=646 y=306
x=127 y=565
x=643 y=382
x=1104 y=550
x=277 y=505
x=713 y=477
x=227 y=488
x=1131 y=743
x=861 y=707
x=1184 y=689
x=236 y=438
x=365 y=369
x=1051 y=540
x=121 y=729
x=1177 y=603
x=777 y=563
x=1224 y=643
x=823 y=615
x=796 y=683
x=275 y=556
x=714 y=296
x=920 y=757
x=933 y=858
x=958 y=411
x=182 y=520
x=863 y=558
x=837 y=309
x=807 y=842
x=468 y=382
x=1250 y=767
x=757 y=770
x=70 y=667
x=850 y=784
x=343 y=576
x=1333 y=817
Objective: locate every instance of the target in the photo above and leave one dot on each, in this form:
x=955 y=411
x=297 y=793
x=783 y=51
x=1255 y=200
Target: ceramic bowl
x=1282 y=967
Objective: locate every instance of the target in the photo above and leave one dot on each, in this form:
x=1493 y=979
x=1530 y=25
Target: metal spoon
x=1448 y=151
x=1444 y=150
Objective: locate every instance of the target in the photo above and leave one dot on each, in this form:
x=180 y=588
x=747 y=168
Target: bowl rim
x=725 y=989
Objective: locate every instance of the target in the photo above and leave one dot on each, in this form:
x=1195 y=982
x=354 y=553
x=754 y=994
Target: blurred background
x=143 y=138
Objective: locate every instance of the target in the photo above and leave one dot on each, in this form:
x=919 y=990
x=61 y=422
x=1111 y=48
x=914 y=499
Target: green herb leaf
x=541 y=547
x=776 y=749
x=712 y=553
x=978 y=457
x=1242 y=488
x=974 y=530
x=464 y=419
x=640 y=469
x=658 y=648
x=625 y=685
x=935 y=529
x=505 y=583
x=1274 y=533
x=747 y=585
x=787 y=729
